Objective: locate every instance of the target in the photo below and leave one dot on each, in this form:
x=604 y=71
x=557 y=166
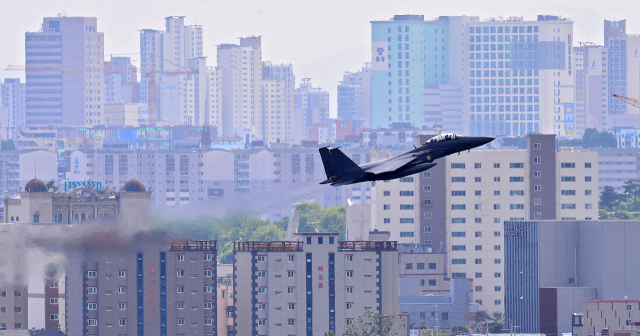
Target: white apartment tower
x=277 y=101
x=175 y=50
x=70 y=91
x=240 y=69
x=14 y=101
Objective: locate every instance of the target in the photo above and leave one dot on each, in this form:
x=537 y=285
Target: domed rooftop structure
x=36 y=185
x=134 y=185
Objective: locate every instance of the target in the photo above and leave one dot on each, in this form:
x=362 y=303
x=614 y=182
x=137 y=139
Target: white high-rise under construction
x=180 y=69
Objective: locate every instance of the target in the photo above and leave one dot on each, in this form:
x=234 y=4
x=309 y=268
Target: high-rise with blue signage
x=398 y=61
x=498 y=77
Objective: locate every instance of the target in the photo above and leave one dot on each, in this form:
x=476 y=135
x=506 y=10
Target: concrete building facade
x=72 y=44
x=13 y=99
x=617 y=165
x=313 y=285
x=594 y=259
x=146 y=289
x=278 y=83
x=513 y=77
x=464 y=200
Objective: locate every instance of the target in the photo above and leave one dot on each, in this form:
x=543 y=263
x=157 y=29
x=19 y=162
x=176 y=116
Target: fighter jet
x=341 y=170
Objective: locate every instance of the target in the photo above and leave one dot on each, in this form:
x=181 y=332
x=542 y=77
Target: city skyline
x=324 y=59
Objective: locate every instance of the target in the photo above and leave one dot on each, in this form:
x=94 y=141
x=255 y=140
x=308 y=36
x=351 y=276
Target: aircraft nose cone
x=486 y=140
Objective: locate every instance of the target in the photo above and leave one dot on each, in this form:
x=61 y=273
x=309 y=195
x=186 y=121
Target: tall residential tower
x=65 y=63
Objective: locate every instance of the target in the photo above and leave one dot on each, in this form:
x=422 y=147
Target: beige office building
x=313 y=285
x=396 y=208
x=473 y=193
x=458 y=206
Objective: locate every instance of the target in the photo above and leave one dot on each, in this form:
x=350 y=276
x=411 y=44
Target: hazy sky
x=322 y=39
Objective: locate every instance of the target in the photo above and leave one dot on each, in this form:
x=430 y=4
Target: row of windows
x=504 y=29
x=477 y=261
x=477 y=247
x=478 y=234
x=536 y=174
x=420 y=266
x=495 y=288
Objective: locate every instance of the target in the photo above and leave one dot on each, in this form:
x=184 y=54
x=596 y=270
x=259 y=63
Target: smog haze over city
x=331 y=168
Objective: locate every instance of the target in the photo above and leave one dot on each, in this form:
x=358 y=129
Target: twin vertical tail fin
x=337 y=165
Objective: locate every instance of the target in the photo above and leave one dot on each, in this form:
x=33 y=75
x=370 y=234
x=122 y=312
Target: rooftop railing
x=367 y=246
x=199 y=245
x=275 y=246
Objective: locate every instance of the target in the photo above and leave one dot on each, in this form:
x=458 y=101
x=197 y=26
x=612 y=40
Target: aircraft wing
x=390 y=165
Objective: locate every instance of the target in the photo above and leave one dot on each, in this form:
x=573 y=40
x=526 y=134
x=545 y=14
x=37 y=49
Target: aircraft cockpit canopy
x=444 y=137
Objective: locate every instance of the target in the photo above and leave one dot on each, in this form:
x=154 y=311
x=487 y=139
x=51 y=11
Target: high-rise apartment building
x=508 y=77
x=590 y=99
x=72 y=51
x=621 y=50
x=240 y=71
x=278 y=83
x=462 y=202
x=147 y=289
x=13 y=99
x=521 y=76
x=354 y=95
x=150 y=44
x=399 y=68
x=313 y=285
x=396 y=209
x=310 y=109
x=182 y=83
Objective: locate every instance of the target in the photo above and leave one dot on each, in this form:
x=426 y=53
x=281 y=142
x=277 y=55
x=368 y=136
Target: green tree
x=632 y=189
x=604 y=139
x=586 y=136
x=7 y=145
x=282 y=223
x=374 y=324
x=603 y=214
x=314 y=218
x=51 y=185
x=497 y=322
x=609 y=198
x=459 y=330
x=478 y=321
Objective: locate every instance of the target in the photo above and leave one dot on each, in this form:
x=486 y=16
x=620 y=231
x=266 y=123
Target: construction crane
x=633 y=102
x=152 y=86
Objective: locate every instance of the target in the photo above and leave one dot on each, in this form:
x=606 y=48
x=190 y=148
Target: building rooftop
x=316 y=233
x=274 y=246
x=610 y=301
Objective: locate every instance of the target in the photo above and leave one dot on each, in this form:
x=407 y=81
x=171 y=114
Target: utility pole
x=437 y=322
